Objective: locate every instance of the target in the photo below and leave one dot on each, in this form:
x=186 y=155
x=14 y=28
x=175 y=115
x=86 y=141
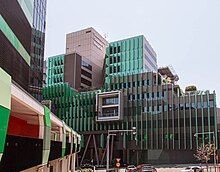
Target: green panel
x=4 y=116
x=47 y=116
x=14 y=40
x=47 y=135
x=27 y=7
x=5 y=87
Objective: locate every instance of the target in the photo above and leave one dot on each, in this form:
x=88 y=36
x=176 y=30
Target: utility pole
x=113 y=133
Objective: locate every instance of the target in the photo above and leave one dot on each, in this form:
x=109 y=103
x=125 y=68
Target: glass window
x=211 y=103
x=158 y=94
x=115 y=50
x=129 y=85
x=133 y=84
x=119 y=59
x=119 y=49
x=110 y=50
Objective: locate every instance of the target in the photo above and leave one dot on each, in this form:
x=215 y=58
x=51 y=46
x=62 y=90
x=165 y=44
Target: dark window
x=110 y=60
x=153 y=95
x=119 y=49
x=115 y=50
x=129 y=85
x=158 y=94
x=87 y=74
x=110 y=69
x=133 y=97
x=143 y=83
x=115 y=69
x=138 y=83
x=119 y=59
x=124 y=85
x=111 y=86
x=114 y=59
x=133 y=84
x=118 y=68
x=110 y=50
x=148 y=95
x=86 y=82
x=120 y=85
x=86 y=65
x=88 y=31
x=148 y=82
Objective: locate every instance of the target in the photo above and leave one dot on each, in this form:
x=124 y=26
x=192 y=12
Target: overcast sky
x=184 y=33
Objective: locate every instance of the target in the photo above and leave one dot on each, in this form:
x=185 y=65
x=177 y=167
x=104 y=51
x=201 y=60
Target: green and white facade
x=166 y=118
x=55 y=70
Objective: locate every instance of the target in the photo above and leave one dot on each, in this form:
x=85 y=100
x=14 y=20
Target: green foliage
x=204 y=152
x=190 y=88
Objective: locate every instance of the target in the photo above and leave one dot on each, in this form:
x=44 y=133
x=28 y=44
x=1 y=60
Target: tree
x=204 y=153
x=190 y=88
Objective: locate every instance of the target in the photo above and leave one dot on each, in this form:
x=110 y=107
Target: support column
x=47 y=135
x=64 y=140
x=5 y=107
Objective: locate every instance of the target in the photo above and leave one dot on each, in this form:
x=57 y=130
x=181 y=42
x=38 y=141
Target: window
x=111 y=86
x=86 y=65
x=110 y=60
x=118 y=68
x=110 y=50
x=86 y=82
x=133 y=84
x=152 y=94
x=133 y=97
x=118 y=59
x=87 y=74
x=158 y=94
x=115 y=60
x=148 y=95
x=211 y=103
x=129 y=85
x=119 y=85
x=143 y=83
x=119 y=49
x=138 y=83
x=205 y=104
x=148 y=82
x=115 y=69
x=115 y=50
x=110 y=71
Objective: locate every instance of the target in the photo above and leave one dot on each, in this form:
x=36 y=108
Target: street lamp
x=211 y=132
x=113 y=133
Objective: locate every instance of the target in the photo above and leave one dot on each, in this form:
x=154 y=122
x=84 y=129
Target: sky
x=184 y=33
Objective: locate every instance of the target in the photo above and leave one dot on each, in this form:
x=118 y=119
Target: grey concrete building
x=92 y=47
